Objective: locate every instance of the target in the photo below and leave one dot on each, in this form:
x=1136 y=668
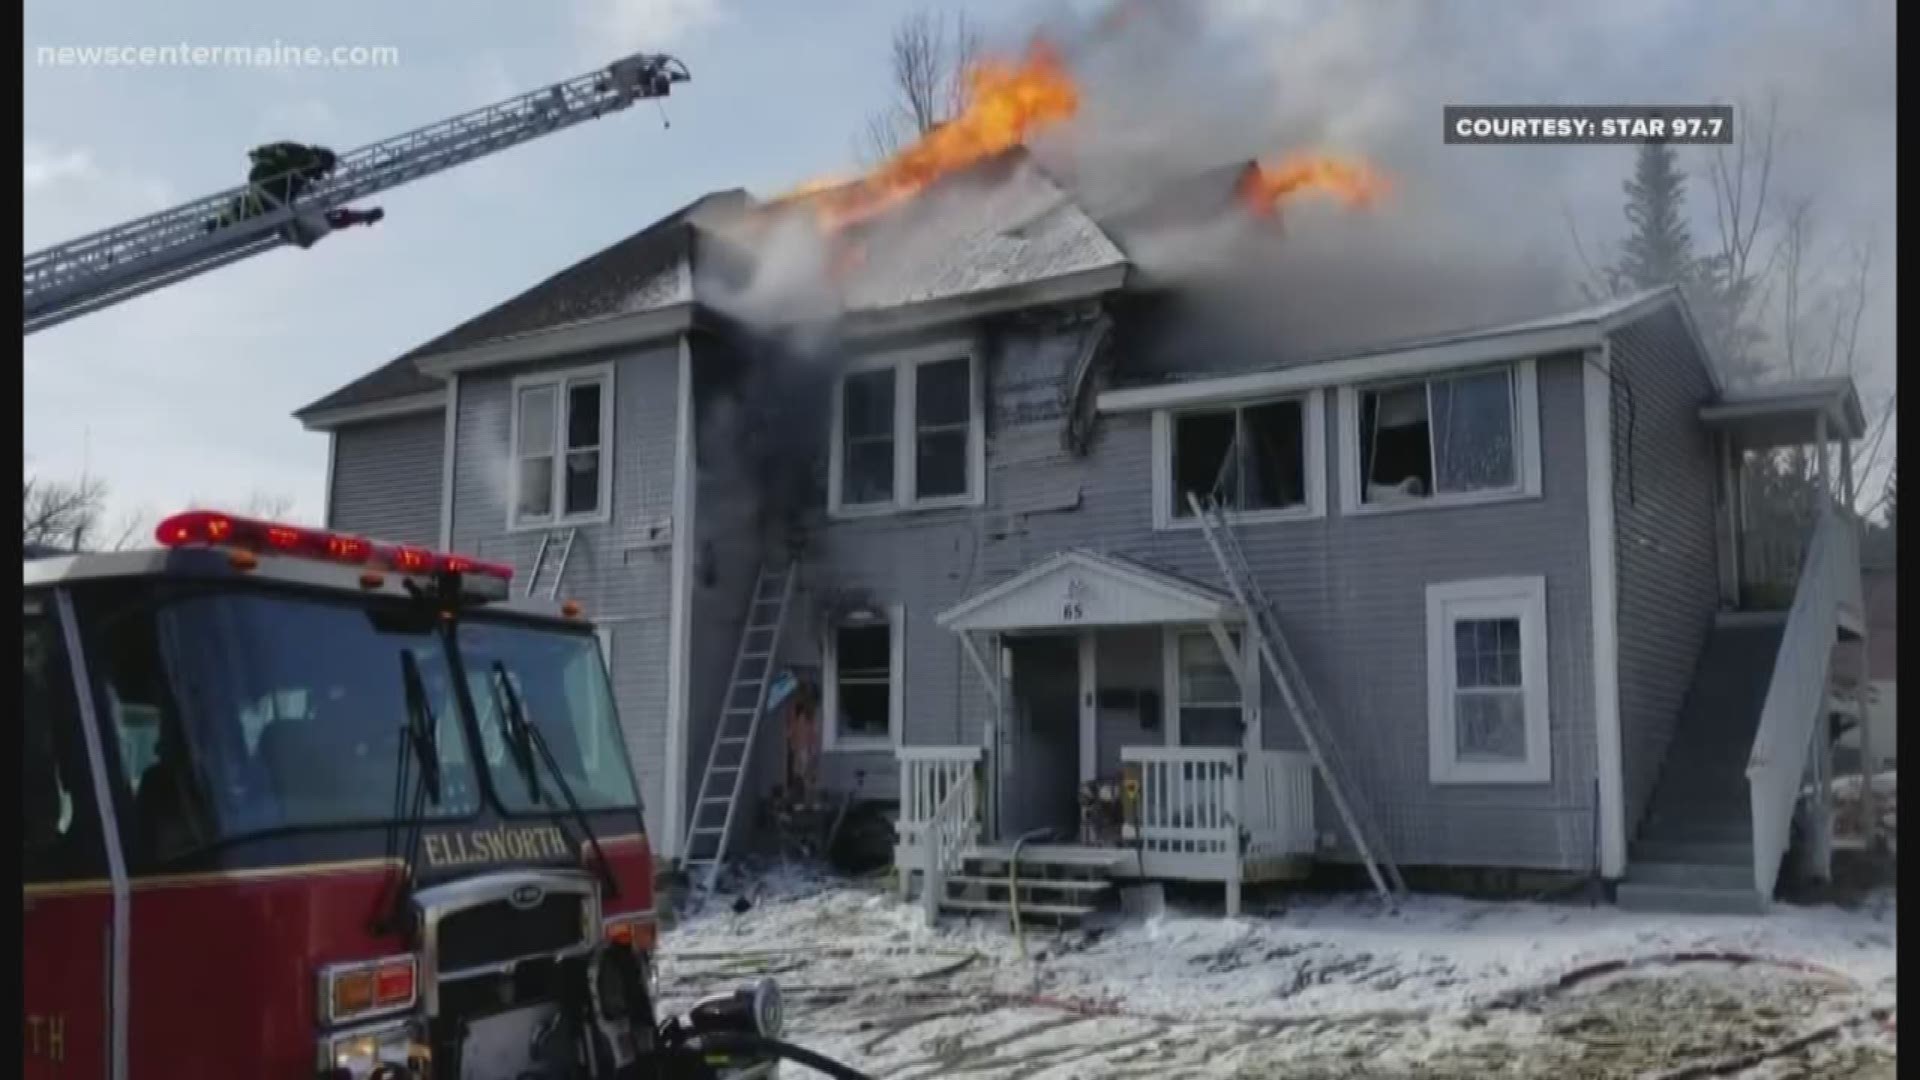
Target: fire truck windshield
x=243 y=711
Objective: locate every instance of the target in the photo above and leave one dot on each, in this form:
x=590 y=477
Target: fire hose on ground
x=911 y=988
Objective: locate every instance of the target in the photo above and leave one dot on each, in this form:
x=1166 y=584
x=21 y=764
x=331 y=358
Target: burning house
x=1088 y=554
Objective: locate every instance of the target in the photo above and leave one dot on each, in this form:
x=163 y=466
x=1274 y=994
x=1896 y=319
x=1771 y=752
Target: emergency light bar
x=214 y=529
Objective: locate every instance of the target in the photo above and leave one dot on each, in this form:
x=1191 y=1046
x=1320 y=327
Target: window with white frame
x=908 y=434
x=863 y=688
x=1487 y=681
x=562 y=426
x=1207 y=694
x=1255 y=458
x=1463 y=435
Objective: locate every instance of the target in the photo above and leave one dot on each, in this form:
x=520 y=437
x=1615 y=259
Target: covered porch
x=1125 y=719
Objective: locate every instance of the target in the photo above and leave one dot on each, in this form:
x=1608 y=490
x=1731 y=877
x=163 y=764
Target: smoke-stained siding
x=1666 y=558
x=386 y=478
x=726 y=560
x=621 y=570
x=1351 y=594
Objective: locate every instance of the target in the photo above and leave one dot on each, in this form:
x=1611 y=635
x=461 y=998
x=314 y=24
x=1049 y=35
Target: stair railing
x=1797 y=692
x=955 y=826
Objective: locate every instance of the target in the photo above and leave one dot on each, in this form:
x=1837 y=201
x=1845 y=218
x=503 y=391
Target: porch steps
x=1694 y=852
x=1058 y=884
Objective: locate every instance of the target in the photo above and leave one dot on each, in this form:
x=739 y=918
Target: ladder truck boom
x=106 y=267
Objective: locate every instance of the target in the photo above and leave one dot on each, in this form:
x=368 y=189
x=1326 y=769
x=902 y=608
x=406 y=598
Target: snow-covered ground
x=1320 y=986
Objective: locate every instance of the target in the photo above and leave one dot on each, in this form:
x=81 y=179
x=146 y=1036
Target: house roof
x=649 y=270
x=1573 y=329
x=1080 y=588
x=1022 y=229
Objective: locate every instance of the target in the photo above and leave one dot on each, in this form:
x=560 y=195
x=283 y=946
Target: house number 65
x=1071 y=611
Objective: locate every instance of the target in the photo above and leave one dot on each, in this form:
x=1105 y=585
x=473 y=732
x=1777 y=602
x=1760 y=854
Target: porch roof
x=1783 y=413
x=1080 y=588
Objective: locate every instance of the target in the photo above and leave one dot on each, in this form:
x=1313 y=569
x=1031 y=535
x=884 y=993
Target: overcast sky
x=184 y=395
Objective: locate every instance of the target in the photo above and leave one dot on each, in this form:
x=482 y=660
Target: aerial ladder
x=116 y=264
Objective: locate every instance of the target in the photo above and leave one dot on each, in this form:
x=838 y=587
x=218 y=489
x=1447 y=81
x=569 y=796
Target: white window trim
x=1314 y=462
x=559 y=380
x=1524 y=598
x=906 y=364
x=1526 y=403
x=896 y=688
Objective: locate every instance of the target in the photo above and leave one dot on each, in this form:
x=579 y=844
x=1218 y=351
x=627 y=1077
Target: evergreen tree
x=1659 y=249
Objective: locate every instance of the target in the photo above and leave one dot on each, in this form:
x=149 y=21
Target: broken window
x=867 y=429
x=943 y=418
x=559 y=447
x=1450 y=436
x=1252 y=457
x=1209 y=695
x=863 y=683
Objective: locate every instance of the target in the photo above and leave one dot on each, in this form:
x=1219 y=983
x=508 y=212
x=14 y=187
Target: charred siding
x=1667 y=560
x=620 y=570
x=386 y=478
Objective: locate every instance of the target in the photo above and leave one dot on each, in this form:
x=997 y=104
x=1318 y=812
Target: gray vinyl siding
x=1666 y=557
x=1126 y=659
x=621 y=570
x=386 y=478
x=1351 y=597
x=1351 y=593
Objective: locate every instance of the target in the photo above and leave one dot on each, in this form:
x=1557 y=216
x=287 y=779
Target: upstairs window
x=908 y=435
x=1456 y=438
x=1263 y=460
x=562 y=427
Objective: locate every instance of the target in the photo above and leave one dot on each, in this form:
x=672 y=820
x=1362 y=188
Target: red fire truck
x=300 y=804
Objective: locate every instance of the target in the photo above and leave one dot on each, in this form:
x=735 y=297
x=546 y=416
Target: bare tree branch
x=61 y=514
x=928 y=66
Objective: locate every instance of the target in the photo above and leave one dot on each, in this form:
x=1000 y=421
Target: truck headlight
x=359 y=1053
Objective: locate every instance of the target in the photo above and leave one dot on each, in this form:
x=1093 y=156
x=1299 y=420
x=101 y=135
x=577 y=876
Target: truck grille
x=498 y=932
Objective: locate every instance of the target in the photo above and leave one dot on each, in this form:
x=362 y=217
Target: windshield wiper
x=419 y=742
x=526 y=738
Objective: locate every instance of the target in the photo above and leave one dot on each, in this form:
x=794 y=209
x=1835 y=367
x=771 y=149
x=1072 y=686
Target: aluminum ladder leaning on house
x=733 y=737
x=540 y=558
x=1299 y=698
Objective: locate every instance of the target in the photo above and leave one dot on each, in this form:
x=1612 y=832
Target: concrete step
x=1055 y=911
x=1049 y=856
x=1697 y=831
x=1086 y=885
x=1681 y=899
x=1714 y=854
x=1691 y=875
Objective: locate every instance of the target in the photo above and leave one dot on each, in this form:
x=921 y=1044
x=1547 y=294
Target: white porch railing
x=1278 y=796
x=1796 y=699
x=955 y=827
x=1194 y=805
x=927 y=775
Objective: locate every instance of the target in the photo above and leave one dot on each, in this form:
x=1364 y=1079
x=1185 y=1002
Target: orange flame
x=1274 y=181
x=1006 y=103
